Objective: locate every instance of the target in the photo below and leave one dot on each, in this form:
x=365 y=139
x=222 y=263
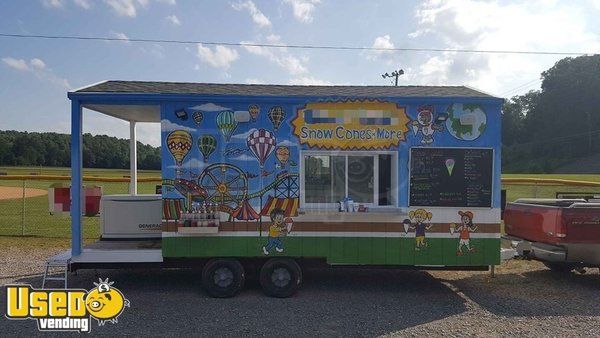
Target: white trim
x=132 y=158
x=88 y=86
x=119 y=256
x=375 y=182
x=346 y=153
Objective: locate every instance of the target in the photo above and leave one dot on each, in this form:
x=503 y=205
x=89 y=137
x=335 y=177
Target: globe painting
x=466 y=121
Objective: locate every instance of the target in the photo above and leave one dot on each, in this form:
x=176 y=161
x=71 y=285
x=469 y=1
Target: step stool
x=54 y=266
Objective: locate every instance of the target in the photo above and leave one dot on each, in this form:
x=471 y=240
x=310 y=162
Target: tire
x=280 y=277
x=223 y=277
x=561 y=268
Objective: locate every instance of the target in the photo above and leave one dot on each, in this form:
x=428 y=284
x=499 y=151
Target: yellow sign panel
x=353 y=124
x=65 y=309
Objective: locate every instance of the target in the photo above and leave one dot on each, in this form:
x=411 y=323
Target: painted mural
x=464 y=230
x=426 y=125
x=225 y=157
x=232 y=179
x=418 y=221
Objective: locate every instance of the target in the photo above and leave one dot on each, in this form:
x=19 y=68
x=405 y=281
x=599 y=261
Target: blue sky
x=36 y=74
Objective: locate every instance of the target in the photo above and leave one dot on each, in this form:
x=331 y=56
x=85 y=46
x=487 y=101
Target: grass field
x=38 y=221
x=514 y=191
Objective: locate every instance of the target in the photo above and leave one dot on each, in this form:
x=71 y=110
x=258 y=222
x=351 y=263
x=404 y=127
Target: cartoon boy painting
x=419 y=217
x=277 y=229
x=464 y=229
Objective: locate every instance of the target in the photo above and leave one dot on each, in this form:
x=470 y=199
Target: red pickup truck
x=562 y=233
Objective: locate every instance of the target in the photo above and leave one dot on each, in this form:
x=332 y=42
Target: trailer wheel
x=223 y=277
x=562 y=268
x=280 y=277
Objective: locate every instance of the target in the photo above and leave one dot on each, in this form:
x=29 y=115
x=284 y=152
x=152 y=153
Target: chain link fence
x=25 y=204
x=25 y=211
x=529 y=187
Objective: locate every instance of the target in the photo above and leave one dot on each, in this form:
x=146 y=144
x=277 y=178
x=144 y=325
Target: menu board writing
x=451 y=177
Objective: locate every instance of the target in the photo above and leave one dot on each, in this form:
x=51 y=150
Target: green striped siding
x=341 y=250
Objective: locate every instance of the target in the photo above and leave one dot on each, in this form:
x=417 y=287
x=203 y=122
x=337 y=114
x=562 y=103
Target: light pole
x=396 y=74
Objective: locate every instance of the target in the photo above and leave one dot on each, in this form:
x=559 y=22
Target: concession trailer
x=270 y=178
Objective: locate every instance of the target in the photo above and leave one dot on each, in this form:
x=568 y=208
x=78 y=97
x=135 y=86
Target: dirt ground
x=525 y=299
x=7 y=193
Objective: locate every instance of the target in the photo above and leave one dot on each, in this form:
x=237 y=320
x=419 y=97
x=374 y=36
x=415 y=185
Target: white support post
x=132 y=159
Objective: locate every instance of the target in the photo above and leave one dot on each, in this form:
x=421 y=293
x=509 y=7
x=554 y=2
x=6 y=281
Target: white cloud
x=257 y=16
x=192 y=163
x=209 y=107
x=308 y=80
x=243 y=157
x=38 y=68
x=126 y=7
x=280 y=56
x=53 y=3
x=168 y=126
x=37 y=63
x=382 y=42
x=154 y=49
x=469 y=24
x=121 y=36
x=168 y=2
x=254 y=81
x=85 y=4
x=174 y=20
x=303 y=9
x=287 y=143
x=244 y=135
x=18 y=64
x=220 y=57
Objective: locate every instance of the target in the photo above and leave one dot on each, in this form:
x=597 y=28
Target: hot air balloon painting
x=179 y=143
x=261 y=143
x=207 y=145
x=226 y=123
x=198 y=117
x=254 y=110
x=283 y=154
x=276 y=115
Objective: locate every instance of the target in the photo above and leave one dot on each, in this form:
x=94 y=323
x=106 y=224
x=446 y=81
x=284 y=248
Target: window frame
x=375 y=155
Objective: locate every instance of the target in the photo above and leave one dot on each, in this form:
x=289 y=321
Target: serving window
x=328 y=177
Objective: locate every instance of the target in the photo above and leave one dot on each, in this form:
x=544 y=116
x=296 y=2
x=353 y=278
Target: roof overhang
x=136 y=113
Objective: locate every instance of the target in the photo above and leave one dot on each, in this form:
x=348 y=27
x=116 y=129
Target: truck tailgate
x=535 y=223
x=582 y=224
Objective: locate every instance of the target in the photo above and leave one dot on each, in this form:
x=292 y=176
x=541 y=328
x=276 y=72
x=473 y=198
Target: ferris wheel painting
x=225 y=184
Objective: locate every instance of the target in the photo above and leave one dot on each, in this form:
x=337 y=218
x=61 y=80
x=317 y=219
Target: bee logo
x=105 y=303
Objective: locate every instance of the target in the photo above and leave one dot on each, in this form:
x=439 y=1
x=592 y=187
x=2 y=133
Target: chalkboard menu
x=451 y=177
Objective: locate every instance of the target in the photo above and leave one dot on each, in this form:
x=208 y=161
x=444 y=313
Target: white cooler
x=127 y=216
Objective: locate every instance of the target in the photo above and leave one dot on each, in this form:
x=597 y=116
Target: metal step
x=56 y=266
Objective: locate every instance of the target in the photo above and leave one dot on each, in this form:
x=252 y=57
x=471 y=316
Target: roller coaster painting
x=216 y=185
x=191 y=177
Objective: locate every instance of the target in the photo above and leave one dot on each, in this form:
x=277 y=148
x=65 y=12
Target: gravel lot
x=525 y=299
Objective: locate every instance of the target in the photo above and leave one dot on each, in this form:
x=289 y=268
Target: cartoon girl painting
x=419 y=217
x=464 y=229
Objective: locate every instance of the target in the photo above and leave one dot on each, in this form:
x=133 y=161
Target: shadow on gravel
x=535 y=293
x=332 y=302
